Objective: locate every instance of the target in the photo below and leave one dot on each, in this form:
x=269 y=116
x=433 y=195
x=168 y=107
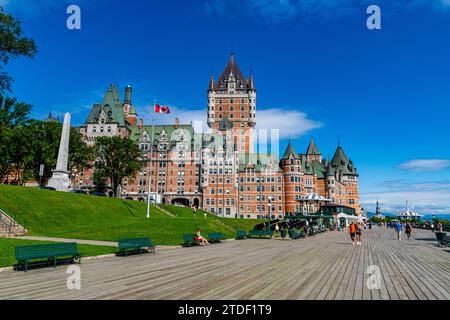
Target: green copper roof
x=169 y=130
x=132 y=111
x=111 y=106
x=312 y=148
x=289 y=150
x=260 y=161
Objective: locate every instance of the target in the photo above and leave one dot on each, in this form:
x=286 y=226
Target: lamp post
x=269 y=204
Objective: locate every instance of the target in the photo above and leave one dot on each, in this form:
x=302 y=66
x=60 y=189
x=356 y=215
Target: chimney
x=177 y=123
x=141 y=123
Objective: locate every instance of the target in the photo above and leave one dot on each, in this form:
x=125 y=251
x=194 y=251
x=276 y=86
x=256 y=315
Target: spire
x=312 y=148
x=212 y=85
x=51 y=118
x=339 y=158
x=289 y=150
x=233 y=68
x=112 y=96
x=251 y=84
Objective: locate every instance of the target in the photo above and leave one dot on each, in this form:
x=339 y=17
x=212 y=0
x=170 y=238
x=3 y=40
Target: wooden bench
x=188 y=240
x=241 y=234
x=442 y=239
x=51 y=252
x=135 y=244
x=215 y=237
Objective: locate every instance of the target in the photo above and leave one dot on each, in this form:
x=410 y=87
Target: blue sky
x=385 y=94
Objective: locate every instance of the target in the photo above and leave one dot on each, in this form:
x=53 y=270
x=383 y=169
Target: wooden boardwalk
x=326 y=266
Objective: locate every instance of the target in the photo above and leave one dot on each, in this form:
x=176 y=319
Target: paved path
x=80 y=241
x=326 y=266
x=93 y=242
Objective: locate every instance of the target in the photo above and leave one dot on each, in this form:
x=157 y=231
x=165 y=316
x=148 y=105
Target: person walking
x=358 y=233
x=408 y=231
x=194 y=210
x=352 y=231
x=398 y=229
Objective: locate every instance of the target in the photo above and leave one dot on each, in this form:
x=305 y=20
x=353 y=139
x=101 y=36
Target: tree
x=24 y=148
x=12 y=45
x=117 y=158
x=12 y=112
x=80 y=154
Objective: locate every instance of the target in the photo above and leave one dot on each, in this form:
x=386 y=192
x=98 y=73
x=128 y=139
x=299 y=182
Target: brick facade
x=219 y=170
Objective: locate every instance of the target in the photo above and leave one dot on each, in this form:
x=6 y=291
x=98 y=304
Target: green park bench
x=241 y=234
x=260 y=234
x=442 y=239
x=188 y=240
x=293 y=234
x=51 y=252
x=215 y=237
x=135 y=244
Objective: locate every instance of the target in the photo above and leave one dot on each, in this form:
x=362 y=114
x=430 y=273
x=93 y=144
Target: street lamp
x=269 y=204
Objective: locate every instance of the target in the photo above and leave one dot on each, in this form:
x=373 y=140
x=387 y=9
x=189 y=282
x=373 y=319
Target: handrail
x=13 y=223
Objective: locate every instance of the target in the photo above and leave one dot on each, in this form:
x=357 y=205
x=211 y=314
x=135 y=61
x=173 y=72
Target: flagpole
x=151 y=162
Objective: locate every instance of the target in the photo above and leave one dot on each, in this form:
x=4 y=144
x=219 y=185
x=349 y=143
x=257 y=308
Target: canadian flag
x=161 y=109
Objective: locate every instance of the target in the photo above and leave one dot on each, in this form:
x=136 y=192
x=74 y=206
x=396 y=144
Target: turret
x=128 y=91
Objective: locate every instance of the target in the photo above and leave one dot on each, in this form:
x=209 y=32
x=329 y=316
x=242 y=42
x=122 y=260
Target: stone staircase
x=10 y=227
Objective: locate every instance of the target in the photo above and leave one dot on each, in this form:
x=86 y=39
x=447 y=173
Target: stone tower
x=232 y=106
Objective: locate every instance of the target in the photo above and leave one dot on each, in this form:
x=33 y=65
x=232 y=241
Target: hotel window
x=101 y=129
x=109 y=129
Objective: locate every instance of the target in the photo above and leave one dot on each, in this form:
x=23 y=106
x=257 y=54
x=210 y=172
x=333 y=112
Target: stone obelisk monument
x=60 y=178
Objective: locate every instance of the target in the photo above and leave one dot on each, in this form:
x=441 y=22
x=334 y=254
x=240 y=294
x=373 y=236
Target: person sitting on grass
x=198 y=237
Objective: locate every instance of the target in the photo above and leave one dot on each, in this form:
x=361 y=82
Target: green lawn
x=7 y=254
x=78 y=216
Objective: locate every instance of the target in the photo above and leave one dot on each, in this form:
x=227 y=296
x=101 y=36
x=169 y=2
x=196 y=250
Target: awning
x=346 y=216
x=314 y=197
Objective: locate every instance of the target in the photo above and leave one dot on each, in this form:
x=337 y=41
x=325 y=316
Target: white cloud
x=425 y=165
x=290 y=123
